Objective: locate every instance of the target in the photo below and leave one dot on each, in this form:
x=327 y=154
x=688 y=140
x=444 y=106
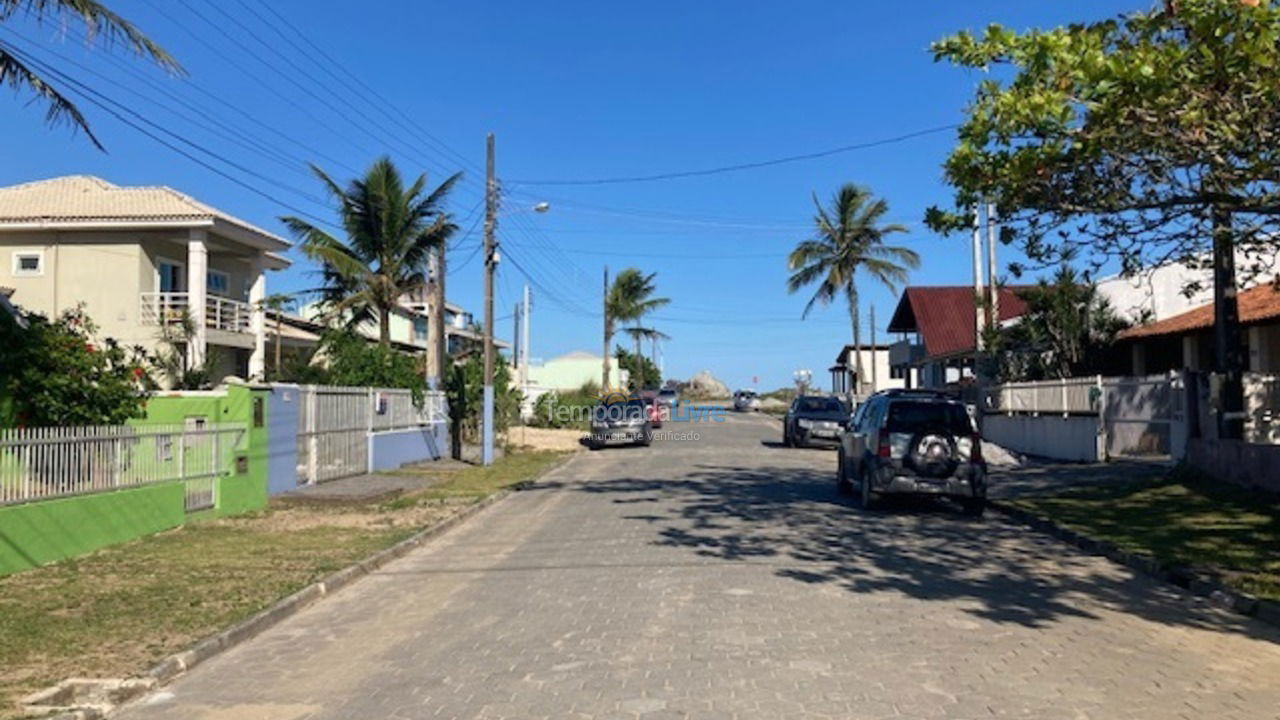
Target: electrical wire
x=747 y=165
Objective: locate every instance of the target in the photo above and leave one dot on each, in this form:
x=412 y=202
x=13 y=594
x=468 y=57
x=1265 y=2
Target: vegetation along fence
x=335 y=423
x=43 y=463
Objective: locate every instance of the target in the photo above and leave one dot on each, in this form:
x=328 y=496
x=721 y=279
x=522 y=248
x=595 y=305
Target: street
x=724 y=577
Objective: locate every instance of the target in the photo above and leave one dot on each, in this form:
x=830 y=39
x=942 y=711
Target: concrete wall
x=1237 y=462
x=38 y=533
x=282 y=438
x=1072 y=438
x=395 y=448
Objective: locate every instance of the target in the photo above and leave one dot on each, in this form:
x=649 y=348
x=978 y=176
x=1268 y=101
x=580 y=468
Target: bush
x=57 y=372
x=566 y=410
x=465 y=391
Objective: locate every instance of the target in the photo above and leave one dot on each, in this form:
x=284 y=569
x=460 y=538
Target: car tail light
x=884 y=450
x=975 y=452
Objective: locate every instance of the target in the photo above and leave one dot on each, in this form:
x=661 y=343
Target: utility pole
x=978 y=310
x=604 y=380
x=490 y=262
x=874 y=356
x=525 y=307
x=992 y=232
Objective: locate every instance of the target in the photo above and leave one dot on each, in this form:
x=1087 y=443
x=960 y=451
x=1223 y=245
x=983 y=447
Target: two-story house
x=138 y=259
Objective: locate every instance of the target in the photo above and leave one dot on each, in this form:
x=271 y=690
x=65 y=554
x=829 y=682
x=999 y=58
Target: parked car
x=668 y=398
x=902 y=442
x=650 y=398
x=628 y=421
x=746 y=401
x=814 y=419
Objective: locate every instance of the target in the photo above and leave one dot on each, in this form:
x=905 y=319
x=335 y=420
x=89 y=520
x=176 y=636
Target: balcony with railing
x=169 y=308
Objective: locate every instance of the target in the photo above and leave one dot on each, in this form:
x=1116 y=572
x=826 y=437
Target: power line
x=105 y=103
x=745 y=166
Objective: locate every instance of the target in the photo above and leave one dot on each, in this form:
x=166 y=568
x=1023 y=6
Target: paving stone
x=725 y=578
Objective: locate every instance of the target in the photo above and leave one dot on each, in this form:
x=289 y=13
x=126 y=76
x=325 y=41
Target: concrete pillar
x=1190 y=352
x=1139 y=359
x=197 y=294
x=1257 y=360
x=258 y=317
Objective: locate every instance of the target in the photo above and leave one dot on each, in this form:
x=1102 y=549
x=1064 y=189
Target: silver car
x=746 y=401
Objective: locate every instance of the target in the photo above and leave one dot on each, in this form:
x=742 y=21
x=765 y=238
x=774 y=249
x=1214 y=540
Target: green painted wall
x=38 y=533
x=43 y=532
x=242 y=491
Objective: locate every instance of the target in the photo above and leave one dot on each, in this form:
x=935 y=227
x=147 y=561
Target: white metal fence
x=1136 y=416
x=334 y=424
x=43 y=463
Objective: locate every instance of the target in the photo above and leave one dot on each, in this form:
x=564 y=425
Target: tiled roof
x=88 y=199
x=1257 y=304
x=944 y=316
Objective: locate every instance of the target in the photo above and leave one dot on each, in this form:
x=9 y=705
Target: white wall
x=1159 y=290
x=1073 y=438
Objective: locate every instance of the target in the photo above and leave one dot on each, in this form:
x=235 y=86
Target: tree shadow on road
x=793 y=518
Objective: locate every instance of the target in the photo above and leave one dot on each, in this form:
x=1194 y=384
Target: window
x=171 y=276
x=217 y=282
x=28 y=263
x=419 y=328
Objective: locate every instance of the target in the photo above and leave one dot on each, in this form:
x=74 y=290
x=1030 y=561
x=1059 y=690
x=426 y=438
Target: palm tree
x=629 y=299
x=278 y=303
x=639 y=333
x=391 y=232
x=848 y=239
x=16 y=69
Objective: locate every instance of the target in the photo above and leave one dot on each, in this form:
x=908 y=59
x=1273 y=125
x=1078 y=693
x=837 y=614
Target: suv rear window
x=913 y=416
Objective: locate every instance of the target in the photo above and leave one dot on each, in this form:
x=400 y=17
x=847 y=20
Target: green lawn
x=117 y=611
x=1230 y=533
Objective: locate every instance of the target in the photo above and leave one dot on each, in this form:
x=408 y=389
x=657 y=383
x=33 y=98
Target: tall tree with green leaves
x=1131 y=141
x=1067 y=330
x=629 y=299
x=848 y=241
x=391 y=231
x=20 y=71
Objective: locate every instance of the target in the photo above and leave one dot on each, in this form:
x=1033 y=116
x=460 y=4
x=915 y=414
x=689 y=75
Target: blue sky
x=573 y=90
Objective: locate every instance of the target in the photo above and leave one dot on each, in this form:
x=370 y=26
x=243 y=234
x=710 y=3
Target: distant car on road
x=669 y=398
x=814 y=419
x=651 y=405
x=746 y=401
x=913 y=442
x=628 y=421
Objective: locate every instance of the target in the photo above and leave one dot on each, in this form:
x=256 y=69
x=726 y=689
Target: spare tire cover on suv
x=932 y=453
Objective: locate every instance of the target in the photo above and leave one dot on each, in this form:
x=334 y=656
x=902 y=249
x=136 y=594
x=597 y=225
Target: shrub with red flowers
x=58 y=372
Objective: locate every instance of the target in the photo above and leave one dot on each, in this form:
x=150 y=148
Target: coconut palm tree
x=639 y=333
x=629 y=299
x=848 y=240
x=278 y=303
x=391 y=232
x=19 y=71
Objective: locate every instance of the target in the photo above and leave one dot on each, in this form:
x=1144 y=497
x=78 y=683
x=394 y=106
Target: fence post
x=313 y=442
x=182 y=454
x=371 y=397
x=1065 y=407
x=1103 y=439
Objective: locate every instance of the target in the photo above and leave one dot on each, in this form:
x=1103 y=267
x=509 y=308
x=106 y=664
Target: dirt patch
x=562 y=440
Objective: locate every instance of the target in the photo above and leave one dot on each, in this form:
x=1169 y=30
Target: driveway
x=724 y=577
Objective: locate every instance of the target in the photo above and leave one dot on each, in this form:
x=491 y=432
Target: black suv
x=913 y=442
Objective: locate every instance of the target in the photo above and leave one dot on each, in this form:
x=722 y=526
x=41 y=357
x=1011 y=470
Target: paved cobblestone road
x=725 y=578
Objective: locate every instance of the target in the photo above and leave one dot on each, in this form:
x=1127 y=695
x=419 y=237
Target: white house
x=139 y=258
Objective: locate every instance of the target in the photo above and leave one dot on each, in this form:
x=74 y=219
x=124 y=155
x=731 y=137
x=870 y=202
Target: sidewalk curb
x=179 y=663
x=1216 y=593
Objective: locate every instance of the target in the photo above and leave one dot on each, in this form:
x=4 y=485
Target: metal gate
x=1144 y=417
x=333 y=440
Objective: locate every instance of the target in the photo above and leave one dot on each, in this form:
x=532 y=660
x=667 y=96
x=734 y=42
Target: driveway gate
x=333 y=441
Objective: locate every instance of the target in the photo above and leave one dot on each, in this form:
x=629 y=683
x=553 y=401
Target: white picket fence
x=335 y=423
x=49 y=462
